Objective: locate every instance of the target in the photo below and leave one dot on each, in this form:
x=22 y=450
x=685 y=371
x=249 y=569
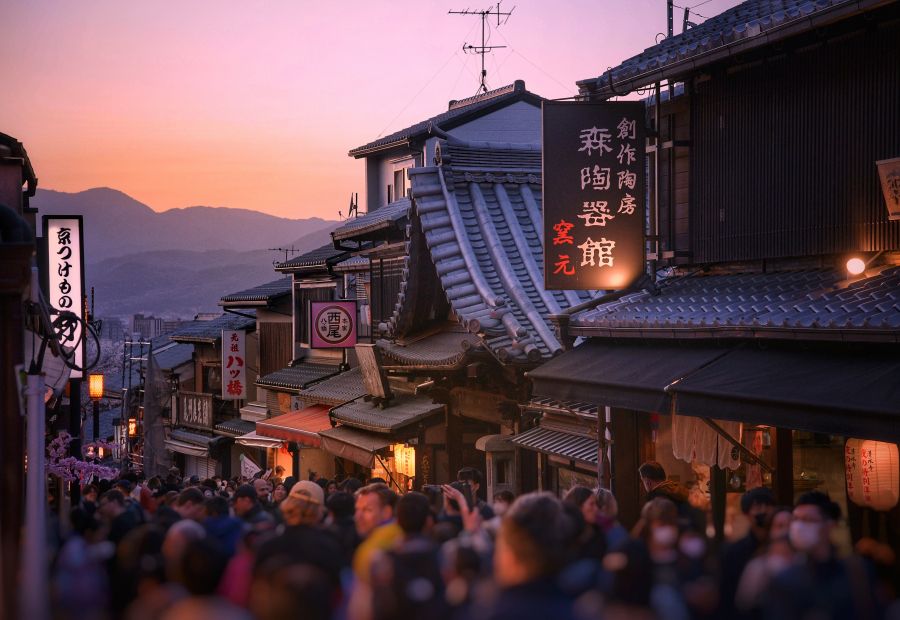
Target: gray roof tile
x=318 y=259
x=459 y=112
x=809 y=301
x=480 y=211
x=743 y=23
x=446 y=349
x=402 y=412
x=393 y=214
x=211 y=331
x=263 y=293
x=336 y=390
x=301 y=375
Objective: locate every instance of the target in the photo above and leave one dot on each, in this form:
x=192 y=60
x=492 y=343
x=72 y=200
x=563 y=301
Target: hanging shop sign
x=873 y=473
x=594 y=191
x=889 y=173
x=65 y=282
x=195 y=410
x=333 y=324
x=234 y=366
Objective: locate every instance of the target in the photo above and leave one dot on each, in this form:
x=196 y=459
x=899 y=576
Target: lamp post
x=95 y=391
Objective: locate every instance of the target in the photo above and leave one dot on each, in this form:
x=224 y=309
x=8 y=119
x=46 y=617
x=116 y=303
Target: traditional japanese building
x=757 y=353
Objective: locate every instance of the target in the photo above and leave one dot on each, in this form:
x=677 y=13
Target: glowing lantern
x=405 y=460
x=132 y=427
x=95 y=386
x=874 y=473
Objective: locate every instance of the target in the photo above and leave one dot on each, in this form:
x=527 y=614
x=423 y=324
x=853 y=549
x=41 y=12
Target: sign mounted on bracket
x=333 y=324
x=65 y=282
x=594 y=183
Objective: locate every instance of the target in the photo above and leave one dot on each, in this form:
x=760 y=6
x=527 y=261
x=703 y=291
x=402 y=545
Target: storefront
x=298 y=442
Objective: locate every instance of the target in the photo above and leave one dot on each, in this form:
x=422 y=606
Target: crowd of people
x=320 y=549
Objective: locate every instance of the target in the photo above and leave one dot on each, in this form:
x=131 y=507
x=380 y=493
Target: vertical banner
x=594 y=192
x=333 y=324
x=65 y=279
x=234 y=367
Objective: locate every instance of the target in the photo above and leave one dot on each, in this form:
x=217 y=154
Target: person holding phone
x=473 y=478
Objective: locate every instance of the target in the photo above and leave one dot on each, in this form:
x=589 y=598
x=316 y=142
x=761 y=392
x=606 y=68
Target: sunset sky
x=255 y=104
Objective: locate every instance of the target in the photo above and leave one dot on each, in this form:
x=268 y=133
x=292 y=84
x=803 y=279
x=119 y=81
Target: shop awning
x=559 y=443
x=402 y=412
x=824 y=392
x=353 y=445
x=300 y=426
x=630 y=376
x=253 y=440
x=234 y=427
x=192 y=444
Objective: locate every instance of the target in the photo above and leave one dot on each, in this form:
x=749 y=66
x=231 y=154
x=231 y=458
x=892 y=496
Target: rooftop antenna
x=290 y=250
x=484 y=48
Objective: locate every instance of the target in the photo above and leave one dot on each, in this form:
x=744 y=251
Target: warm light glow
x=132 y=427
x=95 y=386
x=856 y=266
x=100 y=452
x=404 y=459
x=873 y=473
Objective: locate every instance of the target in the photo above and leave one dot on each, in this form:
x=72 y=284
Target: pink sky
x=255 y=104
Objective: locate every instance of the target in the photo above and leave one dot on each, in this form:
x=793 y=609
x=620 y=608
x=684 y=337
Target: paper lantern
x=405 y=460
x=880 y=467
x=853 y=472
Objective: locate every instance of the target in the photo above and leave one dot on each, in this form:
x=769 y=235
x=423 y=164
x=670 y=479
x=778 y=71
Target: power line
x=484 y=48
x=513 y=50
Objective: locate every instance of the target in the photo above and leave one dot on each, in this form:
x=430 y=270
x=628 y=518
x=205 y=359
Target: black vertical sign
x=594 y=192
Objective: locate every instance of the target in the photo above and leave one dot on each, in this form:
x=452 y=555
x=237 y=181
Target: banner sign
x=65 y=279
x=333 y=324
x=195 y=410
x=594 y=193
x=234 y=366
x=889 y=174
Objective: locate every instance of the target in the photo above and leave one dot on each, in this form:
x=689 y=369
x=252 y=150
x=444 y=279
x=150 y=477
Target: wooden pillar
x=631 y=446
x=784 y=467
x=718 y=490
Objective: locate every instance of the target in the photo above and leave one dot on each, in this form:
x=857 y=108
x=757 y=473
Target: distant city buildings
x=149 y=327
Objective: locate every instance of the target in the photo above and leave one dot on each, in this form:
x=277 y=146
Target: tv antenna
x=290 y=250
x=484 y=48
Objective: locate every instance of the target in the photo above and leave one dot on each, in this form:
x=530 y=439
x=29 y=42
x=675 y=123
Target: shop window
x=212 y=379
x=502 y=471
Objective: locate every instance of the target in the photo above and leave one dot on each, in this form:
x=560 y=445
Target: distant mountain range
x=178 y=262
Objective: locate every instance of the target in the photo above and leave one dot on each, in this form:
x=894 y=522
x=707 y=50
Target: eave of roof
x=210 y=332
x=388 y=216
x=297 y=377
x=258 y=296
x=320 y=259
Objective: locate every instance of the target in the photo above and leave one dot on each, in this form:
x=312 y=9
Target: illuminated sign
x=65 y=279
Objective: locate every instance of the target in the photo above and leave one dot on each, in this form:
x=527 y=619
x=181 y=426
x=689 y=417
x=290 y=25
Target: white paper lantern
x=880 y=472
x=853 y=471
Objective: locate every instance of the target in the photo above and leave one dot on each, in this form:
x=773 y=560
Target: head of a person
x=659 y=519
x=585 y=501
x=90 y=493
x=340 y=506
x=279 y=471
x=351 y=485
x=813 y=519
x=263 y=489
x=331 y=487
x=189 y=504
x=471 y=475
x=534 y=535
x=759 y=505
x=124 y=486
x=244 y=499
x=201 y=566
x=278 y=591
x=176 y=540
x=111 y=505
x=193 y=480
x=607 y=506
x=279 y=493
x=215 y=507
x=781 y=523
x=652 y=475
x=414 y=514
x=502 y=500
x=304 y=505
x=374 y=506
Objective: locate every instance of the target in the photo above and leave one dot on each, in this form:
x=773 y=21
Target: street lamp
x=95 y=391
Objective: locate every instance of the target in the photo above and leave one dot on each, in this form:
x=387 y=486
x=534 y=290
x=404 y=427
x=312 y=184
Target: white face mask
x=804 y=536
x=692 y=547
x=665 y=535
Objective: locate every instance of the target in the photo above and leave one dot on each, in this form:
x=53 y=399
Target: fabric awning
x=186 y=442
x=818 y=391
x=559 y=443
x=630 y=376
x=253 y=440
x=353 y=445
x=300 y=426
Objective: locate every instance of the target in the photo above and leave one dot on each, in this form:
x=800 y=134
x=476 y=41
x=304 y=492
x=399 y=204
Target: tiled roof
x=211 y=331
x=402 y=412
x=446 y=349
x=392 y=214
x=336 y=390
x=748 y=24
x=354 y=263
x=235 y=427
x=171 y=355
x=813 y=304
x=459 y=112
x=318 y=259
x=297 y=377
x=558 y=443
x=480 y=211
x=259 y=295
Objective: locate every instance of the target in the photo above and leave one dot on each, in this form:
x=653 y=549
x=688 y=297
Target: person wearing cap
x=246 y=507
x=304 y=540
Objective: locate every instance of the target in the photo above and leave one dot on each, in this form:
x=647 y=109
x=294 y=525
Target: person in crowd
x=658 y=529
x=189 y=504
x=820 y=584
x=221 y=526
x=758 y=506
x=608 y=519
x=278 y=494
x=590 y=542
x=531 y=544
x=292 y=591
x=89 y=496
x=657 y=484
x=501 y=502
x=277 y=476
x=247 y=507
x=628 y=596
x=406 y=579
x=375 y=524
x=340 y=522
x=118 y=518
x=474 y=478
